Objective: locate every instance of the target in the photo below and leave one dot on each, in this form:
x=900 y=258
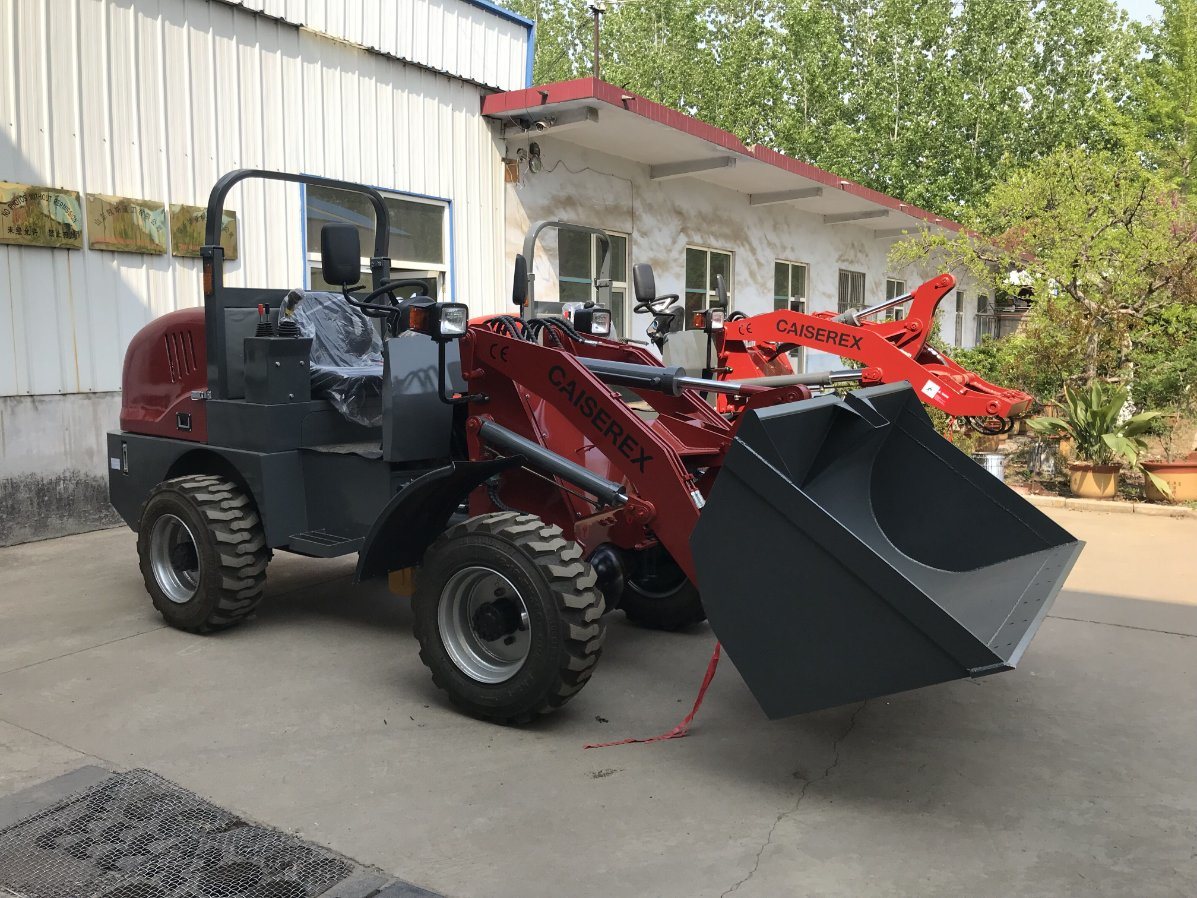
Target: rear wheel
x=508 y=616
x=658 y=594
x=202 y=551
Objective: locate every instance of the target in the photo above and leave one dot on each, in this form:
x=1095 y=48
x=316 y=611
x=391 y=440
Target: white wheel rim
x=174 y=559
x=484 y=625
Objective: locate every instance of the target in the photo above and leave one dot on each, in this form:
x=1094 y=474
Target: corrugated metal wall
x=155 y=99
x=465 y=39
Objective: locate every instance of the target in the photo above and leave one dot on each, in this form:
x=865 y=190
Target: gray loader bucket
x=849 y=551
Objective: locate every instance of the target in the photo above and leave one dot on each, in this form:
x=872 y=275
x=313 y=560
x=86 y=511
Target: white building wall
x=664 y=217
x=156 y=100
x=471 y=40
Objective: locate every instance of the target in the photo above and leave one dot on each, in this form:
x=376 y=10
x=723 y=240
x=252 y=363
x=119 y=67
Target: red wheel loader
x=755 y=349
x=530 y=498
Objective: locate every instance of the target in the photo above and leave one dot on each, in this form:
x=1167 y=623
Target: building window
x=985 y=322
x=893 y=289
x=789 y=286
x=959 y=335
x=580 y=263
x=419 y=238
x=703 y=265
x=852 y=290
x=789 y=292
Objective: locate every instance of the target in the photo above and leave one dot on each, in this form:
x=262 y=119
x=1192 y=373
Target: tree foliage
x=1164 y=105
x=1097 y=229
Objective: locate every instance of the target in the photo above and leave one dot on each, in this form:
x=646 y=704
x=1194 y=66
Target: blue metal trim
x=531 y=55
x=452 y=258
x=501 y=12
x=303 y=236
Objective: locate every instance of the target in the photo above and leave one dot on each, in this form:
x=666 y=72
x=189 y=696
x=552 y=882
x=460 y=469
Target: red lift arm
x=892 y=351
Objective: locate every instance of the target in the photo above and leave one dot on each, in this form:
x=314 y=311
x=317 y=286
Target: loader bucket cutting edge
x=871 y=556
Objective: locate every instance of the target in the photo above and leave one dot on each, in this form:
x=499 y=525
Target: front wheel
x=508 y=616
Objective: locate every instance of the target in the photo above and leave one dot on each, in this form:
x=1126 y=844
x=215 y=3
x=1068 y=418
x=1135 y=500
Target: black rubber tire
x=674 y=607
x=559 y=590
x=230 y=545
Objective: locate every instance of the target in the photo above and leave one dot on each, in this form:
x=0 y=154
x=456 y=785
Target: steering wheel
x=651 y=306
x=389 y=313
x=376 y=310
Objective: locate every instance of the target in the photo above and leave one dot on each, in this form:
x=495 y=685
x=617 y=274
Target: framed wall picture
x=125 y=225
x=40 y=216
x=187 y=225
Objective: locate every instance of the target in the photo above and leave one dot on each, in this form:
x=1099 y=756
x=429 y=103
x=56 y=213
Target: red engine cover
x=165 y=362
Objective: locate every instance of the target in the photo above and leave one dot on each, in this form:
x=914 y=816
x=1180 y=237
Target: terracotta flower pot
x=1089 y=481
x=1181 y=477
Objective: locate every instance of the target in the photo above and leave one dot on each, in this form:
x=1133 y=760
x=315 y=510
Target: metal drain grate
x=137 y=835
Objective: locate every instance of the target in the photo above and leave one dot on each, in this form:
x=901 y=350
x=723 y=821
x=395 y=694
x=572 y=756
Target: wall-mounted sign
x=40 y=216
x=187 y=231
x=125 y=225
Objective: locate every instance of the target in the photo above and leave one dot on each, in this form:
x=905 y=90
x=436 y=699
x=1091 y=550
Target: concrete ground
x=1074 y=775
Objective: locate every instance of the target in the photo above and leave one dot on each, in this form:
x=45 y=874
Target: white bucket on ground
x=993 y=462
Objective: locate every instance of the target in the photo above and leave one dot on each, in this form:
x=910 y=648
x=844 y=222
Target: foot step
x=322 y=544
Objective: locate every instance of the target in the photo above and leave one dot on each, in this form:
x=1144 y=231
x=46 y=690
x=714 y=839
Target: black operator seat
x=346 y=360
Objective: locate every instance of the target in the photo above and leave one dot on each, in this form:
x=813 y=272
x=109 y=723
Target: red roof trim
x=521 y=102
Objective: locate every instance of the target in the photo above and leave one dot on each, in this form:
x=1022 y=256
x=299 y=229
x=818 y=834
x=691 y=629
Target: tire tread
x=240 y=547
x=573 y=582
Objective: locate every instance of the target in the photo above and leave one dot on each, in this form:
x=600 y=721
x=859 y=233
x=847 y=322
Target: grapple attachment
x=848 y=551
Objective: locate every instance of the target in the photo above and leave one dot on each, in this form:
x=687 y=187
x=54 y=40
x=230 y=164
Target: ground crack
x=806 y=784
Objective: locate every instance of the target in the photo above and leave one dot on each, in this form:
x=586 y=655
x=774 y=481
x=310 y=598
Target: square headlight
x=600 y=322
x=593 y=320
x=715 y=319
x=453 y=319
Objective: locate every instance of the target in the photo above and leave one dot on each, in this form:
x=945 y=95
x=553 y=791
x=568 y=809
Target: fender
x=418 y=514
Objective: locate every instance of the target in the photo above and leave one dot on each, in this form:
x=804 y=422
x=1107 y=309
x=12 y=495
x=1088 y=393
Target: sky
x=1140 y=9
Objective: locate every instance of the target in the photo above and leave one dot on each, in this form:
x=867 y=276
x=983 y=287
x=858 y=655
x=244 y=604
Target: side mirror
x=721 y=290
x=340 y=254
x=519 y=285
x=644 y=282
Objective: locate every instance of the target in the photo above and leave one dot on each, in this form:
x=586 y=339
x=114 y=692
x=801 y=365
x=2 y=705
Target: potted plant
x=1165 y=376
x=1100 y=440
x=1180 y=474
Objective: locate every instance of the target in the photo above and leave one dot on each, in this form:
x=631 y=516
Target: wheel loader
x=839 y=547
x=755 y=349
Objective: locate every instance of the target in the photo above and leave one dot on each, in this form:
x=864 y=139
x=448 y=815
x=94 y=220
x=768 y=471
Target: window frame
x=985 y=321
x=616 y=285
x=864 y=286
x=441 y=272
x=958 y=331
x=789 y=300
x=710 y=291
x=897 y=313
x=798 y=355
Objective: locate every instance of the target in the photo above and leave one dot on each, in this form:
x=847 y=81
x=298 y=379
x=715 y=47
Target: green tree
x=1166 y=97
x=1104 y=242
x=934 y=101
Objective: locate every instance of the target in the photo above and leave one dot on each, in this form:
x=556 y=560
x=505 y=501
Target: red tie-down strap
x=683 y=728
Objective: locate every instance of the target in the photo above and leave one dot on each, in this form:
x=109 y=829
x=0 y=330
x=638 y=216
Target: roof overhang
x=600 y=116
